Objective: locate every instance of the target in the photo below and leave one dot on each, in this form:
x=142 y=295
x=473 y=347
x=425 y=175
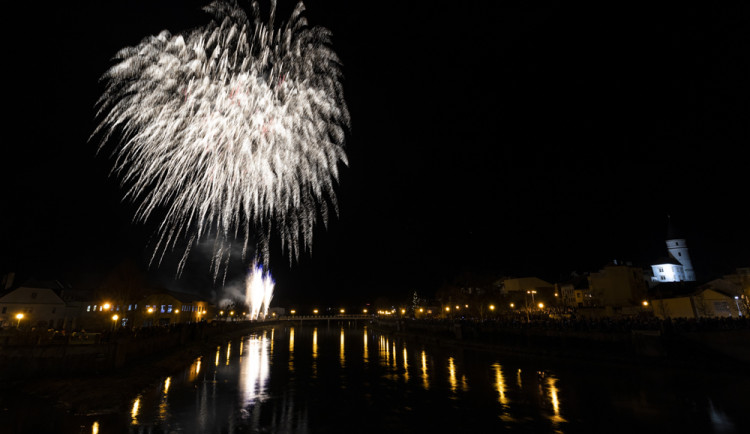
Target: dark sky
x=514 y=139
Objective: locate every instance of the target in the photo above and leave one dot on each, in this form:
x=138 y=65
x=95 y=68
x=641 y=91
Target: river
x=334 y=379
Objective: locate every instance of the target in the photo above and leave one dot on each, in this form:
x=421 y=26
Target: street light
x=114 y=321
x=106 y=306
x=737 y=302
x=19 y=317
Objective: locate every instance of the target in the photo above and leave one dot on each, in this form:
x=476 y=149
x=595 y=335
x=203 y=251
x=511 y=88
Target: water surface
x=350 y=379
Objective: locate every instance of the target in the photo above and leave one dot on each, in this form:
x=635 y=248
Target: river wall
x=30 y=356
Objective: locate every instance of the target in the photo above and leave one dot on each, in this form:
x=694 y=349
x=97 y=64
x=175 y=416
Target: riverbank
x=110 y=391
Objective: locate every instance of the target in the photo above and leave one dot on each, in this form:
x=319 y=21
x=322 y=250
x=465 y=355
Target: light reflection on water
x=298 y=391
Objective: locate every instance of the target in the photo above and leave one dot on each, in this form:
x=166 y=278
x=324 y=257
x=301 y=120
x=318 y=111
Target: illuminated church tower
x=677 y=267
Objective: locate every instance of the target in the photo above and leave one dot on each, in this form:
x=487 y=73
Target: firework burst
x=234 y=130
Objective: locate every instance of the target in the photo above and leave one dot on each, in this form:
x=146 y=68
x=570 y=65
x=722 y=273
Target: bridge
x=323 y=317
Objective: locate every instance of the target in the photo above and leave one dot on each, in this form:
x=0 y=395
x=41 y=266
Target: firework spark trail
x=235 y=129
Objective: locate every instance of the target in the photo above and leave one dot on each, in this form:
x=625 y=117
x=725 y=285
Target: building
x=36 y=303
x=170 y=307
x=575 y=291
x=530 y=292
x=676 y=267
x=718 y=298
x=618 y=286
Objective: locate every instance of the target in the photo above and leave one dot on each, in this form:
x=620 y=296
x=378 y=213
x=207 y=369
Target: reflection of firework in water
x=235 y=129
x=258 y=292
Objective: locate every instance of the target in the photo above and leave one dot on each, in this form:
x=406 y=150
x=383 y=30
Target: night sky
x=511 y=139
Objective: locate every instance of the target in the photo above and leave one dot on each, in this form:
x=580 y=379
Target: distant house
x=529 y=292
x=575 y=292
x=170 y=307
x=618 y=285
x=36 y=303
x=718 y=298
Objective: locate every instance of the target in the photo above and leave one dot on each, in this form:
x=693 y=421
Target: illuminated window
x=169 y=309
x=130 y=307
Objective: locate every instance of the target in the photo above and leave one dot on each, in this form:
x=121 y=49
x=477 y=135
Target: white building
x=36 y=304
x=677 y=267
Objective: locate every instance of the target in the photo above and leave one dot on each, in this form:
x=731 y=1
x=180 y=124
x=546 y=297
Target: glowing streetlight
x=114 y=321
x=645 y=303
x=512 y=305
x=492 y=307
x=292 y=311
x=106 y=306
x=447 y=308
x=19 y=317
x=364 y=310
x=403 y=311
x=541 y=305
x=150 y=310
x=315 y=311
x=421 y=310
x=177 y=311
x=342 y=311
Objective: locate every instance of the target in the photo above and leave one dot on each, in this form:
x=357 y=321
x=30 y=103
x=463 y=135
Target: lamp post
x=19 y=317
x=114 y=321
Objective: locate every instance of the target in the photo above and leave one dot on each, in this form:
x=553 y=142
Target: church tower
x=678 y=251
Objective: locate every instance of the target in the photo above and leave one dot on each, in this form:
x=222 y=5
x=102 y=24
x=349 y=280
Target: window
x=169 y=308
x=88 y=308
x=5 y=309
x=663 y=278
x=130 y=307
x=54 y=309
x=661 y=269
x=679 y=253
x=162 y=308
